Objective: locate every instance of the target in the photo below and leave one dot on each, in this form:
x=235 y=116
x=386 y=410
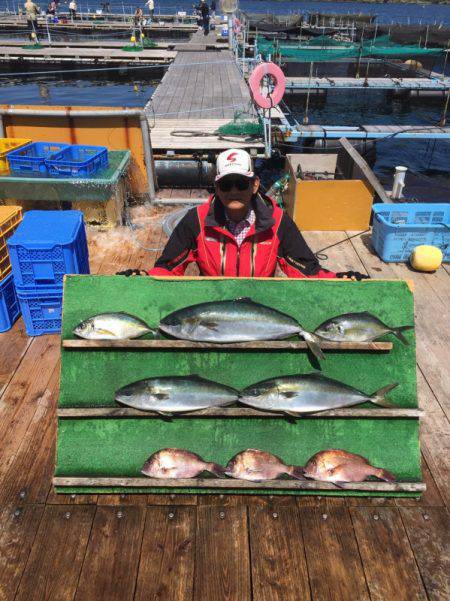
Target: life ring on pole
x=255 y=79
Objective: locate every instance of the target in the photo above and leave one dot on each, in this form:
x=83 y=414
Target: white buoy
x=399 y=182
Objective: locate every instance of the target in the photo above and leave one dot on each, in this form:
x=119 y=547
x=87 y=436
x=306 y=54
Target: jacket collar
x=262 y=205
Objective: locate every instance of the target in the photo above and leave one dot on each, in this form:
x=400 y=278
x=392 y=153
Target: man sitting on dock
x=240 y=232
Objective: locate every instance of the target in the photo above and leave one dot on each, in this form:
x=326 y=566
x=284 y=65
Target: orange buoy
x=255 y=79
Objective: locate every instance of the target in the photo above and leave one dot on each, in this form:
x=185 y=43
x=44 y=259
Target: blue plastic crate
x=41 y=312
x=398 y=228
x=78 y=161
x=9 y=305
x=46 y=246
x=31 y=159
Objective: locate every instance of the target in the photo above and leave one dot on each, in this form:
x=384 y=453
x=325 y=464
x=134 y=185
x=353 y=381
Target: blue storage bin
x=398 y=228
x=41 y=311
x=78 y=161
x=9 y=305
x=30 y=159
x=46 y=246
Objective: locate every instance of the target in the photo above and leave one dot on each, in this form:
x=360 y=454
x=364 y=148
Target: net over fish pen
x=102 y=446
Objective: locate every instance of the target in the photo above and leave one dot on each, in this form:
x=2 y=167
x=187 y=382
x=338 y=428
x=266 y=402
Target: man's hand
x=352 y=275
x=131 y=272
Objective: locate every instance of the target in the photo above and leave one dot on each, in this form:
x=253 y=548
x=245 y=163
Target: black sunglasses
x=240 y=183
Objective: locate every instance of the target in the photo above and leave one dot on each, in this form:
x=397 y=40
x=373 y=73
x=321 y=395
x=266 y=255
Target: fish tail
x=398 y=332
x=216 y=469
x=385 y=475
x=378 y=396
x=297 y=472
x=313 y=343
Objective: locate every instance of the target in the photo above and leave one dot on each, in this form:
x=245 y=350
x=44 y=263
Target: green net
x=241 y=126
x=323 y=49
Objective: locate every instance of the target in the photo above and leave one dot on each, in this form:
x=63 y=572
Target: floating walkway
x=373 y=83
x=200 y=92
x=364 y=132
x=92 y=56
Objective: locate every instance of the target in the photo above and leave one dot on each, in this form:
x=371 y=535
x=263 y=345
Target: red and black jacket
x=202 y=237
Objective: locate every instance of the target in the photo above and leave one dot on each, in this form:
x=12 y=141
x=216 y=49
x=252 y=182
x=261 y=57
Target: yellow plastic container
x=10 y=217
x=7 y=144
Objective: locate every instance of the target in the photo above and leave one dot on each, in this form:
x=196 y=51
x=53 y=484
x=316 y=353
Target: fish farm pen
x=213 y=435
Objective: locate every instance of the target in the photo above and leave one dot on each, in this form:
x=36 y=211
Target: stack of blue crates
x=46 y=246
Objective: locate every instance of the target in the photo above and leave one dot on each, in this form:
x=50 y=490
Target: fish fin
x=106 y=332
x=165 y=414
x=340 y=485
x=216 y=469
x=297 y=472
x=292 y=414
x=398 y=332
x=378 y=396
x=385 y=475
x=313 y=344
x=210 y=325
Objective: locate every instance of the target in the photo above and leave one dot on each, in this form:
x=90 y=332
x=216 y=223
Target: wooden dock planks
x=407 y=538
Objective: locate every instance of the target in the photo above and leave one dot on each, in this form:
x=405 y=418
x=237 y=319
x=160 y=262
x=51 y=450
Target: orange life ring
x=267 y=102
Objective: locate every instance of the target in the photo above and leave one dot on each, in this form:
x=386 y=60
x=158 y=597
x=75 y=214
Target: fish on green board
x=112 y=326
x=238 y=320
x=169 y=395
x=357 y=327
x=178 y=463
x=258 y=466
x=336 y=465
x=309 y=393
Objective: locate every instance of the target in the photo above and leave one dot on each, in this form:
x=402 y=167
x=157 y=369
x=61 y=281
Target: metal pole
x=230 y=31
x=148 y=154
x=48 y=31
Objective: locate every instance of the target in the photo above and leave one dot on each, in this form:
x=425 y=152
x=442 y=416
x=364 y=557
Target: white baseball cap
x=234 y=161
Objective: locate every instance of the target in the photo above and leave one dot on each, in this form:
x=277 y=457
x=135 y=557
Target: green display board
x=118 y=447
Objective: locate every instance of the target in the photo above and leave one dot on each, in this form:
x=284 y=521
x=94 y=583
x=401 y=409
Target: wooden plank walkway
x=84 y=55
x=216 y=547
x=200 y=91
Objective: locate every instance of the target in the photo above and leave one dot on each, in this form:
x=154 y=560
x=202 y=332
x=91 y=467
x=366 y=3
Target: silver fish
x=178 y=463
x=239 y=320
x=308 y=393
x=112 y=326
x=357 y=327
x=175 y=394
x=336 y=465
x=257 y=466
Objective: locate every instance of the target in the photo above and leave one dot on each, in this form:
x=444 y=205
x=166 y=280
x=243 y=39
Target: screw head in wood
x=222 y=515
x=172 y=496
x=17 y=512
x=324 y=516
x=73 y=496
x=426 y=516
x=120 y=514
x=67 y=515
x=275 y=515
x=376 y=517
x=23 y=494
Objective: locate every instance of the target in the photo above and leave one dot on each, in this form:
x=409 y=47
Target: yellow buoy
x=133 y=39
x=426 y=258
